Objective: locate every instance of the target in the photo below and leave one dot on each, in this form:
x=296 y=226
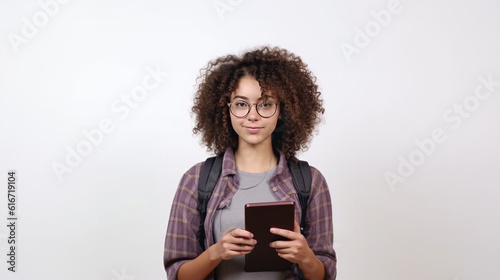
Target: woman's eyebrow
x=267 y=96
x=263 y=97
x=240 y=97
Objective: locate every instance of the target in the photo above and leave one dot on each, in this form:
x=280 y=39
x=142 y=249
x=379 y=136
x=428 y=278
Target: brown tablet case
x=259 y=218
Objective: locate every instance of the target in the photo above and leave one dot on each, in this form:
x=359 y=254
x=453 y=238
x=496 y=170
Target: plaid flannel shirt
x=181 y=244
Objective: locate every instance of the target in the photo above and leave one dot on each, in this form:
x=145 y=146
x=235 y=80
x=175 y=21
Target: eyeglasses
x=240 y=108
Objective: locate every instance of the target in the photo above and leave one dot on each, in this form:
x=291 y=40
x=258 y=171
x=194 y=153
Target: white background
x=106 y=219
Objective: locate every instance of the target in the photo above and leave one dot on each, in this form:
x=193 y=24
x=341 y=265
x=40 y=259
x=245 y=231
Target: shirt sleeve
x=320 y=220
x=181 y=244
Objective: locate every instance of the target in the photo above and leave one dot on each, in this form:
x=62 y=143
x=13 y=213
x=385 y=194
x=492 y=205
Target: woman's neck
x=255 y=160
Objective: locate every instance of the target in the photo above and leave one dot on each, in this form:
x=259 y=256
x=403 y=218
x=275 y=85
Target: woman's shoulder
x=193 y=173
x=315 y=171
x=317 y=177
x=195 y=169
x=191 y=176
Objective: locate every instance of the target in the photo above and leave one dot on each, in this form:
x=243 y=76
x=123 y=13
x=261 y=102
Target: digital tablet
x=259 y=218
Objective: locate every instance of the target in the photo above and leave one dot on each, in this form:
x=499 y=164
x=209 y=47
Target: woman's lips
x=253 y=129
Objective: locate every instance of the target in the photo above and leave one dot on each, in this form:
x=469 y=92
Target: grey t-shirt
x=233 y=216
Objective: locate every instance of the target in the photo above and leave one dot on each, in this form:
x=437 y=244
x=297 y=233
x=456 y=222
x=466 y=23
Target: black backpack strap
x=301 y=174
x=209 y=175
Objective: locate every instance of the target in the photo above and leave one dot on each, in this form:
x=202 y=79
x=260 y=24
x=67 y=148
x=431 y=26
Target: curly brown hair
x=278 y=71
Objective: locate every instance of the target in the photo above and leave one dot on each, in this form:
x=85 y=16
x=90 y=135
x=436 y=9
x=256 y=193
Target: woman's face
x=253 y=129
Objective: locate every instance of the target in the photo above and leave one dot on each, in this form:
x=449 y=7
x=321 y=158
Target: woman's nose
x=253 y=115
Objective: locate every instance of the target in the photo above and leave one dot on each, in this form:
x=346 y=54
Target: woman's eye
x=265 y=104
x=241 y=104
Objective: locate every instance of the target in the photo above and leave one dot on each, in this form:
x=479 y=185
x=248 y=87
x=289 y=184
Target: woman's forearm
x=201 y=266
x=313 y=269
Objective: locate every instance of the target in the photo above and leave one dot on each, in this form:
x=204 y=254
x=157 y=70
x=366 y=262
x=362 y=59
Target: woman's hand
x=235 y=243
x=296 y=250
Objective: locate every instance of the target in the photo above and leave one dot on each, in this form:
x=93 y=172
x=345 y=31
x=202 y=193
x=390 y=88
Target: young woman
x=256 y=110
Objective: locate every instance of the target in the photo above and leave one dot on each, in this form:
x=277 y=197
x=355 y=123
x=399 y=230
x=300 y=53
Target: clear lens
x=240 y=108
x=266 y=109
